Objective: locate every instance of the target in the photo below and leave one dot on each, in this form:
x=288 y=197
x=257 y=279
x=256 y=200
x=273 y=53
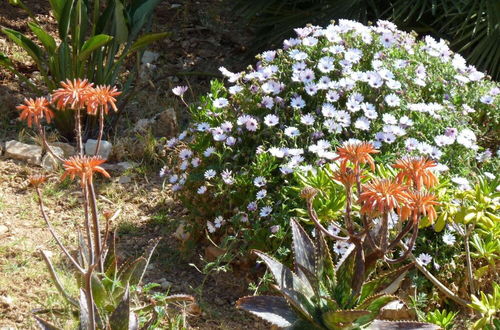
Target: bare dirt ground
x=204 y=35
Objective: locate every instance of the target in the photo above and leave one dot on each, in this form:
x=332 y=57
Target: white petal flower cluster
x=327 y=86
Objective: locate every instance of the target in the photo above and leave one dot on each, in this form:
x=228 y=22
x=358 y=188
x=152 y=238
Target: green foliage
x=112 y=291
x=442 y=318
x=488 y=305
x=318 y=294
x=94 y=43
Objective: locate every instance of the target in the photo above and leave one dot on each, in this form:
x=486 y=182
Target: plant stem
x=41 y=132
x=89 y=297
x=319 y=226
x=101 y=129
x=87 y=225
x=447 y=292
x=95 y=227
x=52 y=232
x=383 y=232
x=78 y=128
x=468 y=262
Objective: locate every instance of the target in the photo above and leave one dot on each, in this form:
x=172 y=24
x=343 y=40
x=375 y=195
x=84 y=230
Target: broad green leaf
x=57 y=7
x=141 y=16
x=121 y=29
x=92 y=44
x=5 y=61
x=65 y=18
x=98 y=291
x=373 y=304
x=284 y=277
x=341 y=318
x=326 y=269
x=29 y=46
x=302 y=306
x=147 y=39
x=64 y=61
x=46 y=39
x=273 y=309
x=304 y=251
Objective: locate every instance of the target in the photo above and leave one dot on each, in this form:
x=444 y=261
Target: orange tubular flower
x=347 y=177
x=357 y=153
x=33 y=110
x=416 y=171
x=381 y=196
x=36 y=180
x=104 y=97
x=420 y=203
x=72 y=94
x=83 y=167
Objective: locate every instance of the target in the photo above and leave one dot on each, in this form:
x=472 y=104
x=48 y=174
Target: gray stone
x=123 y=166
x=166 y=124
x=104 y=150
x=124 y=179
x=49 y=162
x=149 y=57
x=27 y=152
x=165 y=285
x=143 y=125
x=68 y=149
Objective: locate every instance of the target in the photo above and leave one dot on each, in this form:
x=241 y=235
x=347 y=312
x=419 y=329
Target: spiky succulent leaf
x=99 y=292
x=325 y=267
x=284 y=277
x=373 y=304
x=300 y=304
x=273 y=309
x=387 y=283
x=342 y=292
x=84 y=311
x=120 y=318
x=403 y=325
x=304 y=251
x=44 y=325
x=342 y=318
x=133 y=272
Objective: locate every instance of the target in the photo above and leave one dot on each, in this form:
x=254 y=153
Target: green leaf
x=57 y=7
x=121 y=29
x=326 y=269
x=65 y=18
x=29 y=46
x=304 y=251
x=120 y=318
x=269 y=308
x=92 y=44
x=46 y=39
x=302 y=306
x=141 y=15
x=285 y=278
x=98 y=292
x=340 y=319
x=5 y=61
x=386 y=283
x=147 y=39
x=374 y=304
x=132 y=273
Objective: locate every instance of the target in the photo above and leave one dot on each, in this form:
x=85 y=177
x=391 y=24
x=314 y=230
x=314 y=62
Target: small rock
x=175 y=5
x=49 y=162
x=149 y=57
x=143 y=124
x=165 y=285
x=104 y=150
x=27 y=152
x=181 y=234
x=166 y=124
x=68 y=149
x=397 y=310
x=48 y=253
x=3 y=229
x=123 y=166
x=6 y=300
x=124 y=179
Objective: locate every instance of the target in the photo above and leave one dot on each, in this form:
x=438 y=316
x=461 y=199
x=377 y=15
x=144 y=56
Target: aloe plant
x=319 y=294
x=94 y=43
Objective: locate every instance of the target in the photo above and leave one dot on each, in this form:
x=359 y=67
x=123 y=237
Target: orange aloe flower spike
x=102 y=96
x=357 y=153
x=421 y=203
x=72 y=94
x=83 y=167
x=416 y=171
x=33 y=110
x=36 y=180
x=380 y=196
x=347 y=177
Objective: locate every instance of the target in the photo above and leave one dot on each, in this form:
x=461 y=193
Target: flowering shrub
x=345 y=82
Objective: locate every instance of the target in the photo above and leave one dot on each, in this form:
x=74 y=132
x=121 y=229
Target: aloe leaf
x=272 y=309
x=132 y=273
x=121 y=29
x=57 y=7
x=99 y=292
x=373 y=304
x=120 y=318
x=387 y=283
x=141 y=16
x=22 y=41
x=46 y=39
x=341 y=318
x=304 y=251
x=84 y=311
x=400 y=325
x=92 y=44
x=344 y=271
x=324 y=266
x=44 y=325
x=56 y=281
x=146 y=39
x=285 y=278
